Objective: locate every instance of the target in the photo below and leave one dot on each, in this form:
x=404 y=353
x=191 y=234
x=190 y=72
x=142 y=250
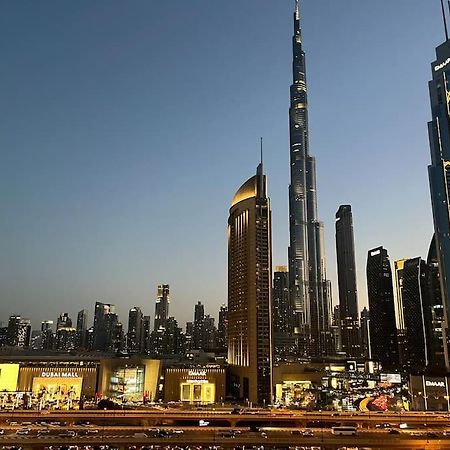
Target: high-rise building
x=63 y=321
x=66 y=339
x=282 y=318
x=346 y=268
x=162 y=306
x=382 y=326
x=209 y=339
x=309 y=292
x=222 y=328
x=102 y=335
x=19 y=332
x=146 y=335
x=249 y=291
x=364 y=332
x=81 y=328
x=414 y=314
x=47 y=337
x=437 y=353
x=134 y=340
x=439 y=173
x=199 y=317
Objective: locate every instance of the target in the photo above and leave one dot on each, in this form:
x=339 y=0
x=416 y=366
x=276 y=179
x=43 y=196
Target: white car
x=23 y=431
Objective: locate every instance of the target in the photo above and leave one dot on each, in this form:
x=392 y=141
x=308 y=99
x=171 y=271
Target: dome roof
x=247 y=190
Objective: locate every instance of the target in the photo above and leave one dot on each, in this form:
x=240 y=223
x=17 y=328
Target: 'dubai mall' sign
x=50 y=374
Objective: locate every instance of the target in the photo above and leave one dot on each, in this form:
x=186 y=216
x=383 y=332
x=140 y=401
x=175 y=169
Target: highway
x=132 y=429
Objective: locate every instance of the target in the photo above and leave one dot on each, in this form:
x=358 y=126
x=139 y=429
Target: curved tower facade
x=308 y=288
x=249 y=291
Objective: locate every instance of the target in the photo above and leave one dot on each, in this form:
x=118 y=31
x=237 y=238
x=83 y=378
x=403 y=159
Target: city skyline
x=26 y=283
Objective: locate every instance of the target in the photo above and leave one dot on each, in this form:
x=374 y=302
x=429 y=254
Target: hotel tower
x=249 y=292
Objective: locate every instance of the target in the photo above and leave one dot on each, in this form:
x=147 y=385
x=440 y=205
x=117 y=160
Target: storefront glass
x=127 y=383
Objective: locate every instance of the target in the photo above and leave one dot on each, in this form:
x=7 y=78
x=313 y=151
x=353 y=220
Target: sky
x=126 y=128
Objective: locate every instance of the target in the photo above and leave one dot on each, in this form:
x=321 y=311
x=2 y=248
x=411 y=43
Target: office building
x=439 y=174
x=146 y=335
x=413 y=314
x=102 y=330
x=19 y=332
x=47 y=337
x=437 y=354
x=199 y=316
x=63 y=321
x=382 y=327
x=282 y=319
x=81 y=328
x=364 y=321
x=346 y=268
x=222 y=328
x=309 y=292
x=66 y=339
x=162 y=306
x=134 y=339
x=249 y=291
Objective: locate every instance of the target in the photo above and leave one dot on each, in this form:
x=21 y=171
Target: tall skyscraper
x=146 y=335
x=439 y=173
x=414 y=314
x=102 y=330
x=82 y=328
x=364 y=332
x=199 y=317
x=63 y=321
x=135 y=318
x=47 y=335
x=307 y=274
x=249 y=291
x=382 y=326
x=282 y=323
x=346 y=268
x=222 y=328
x=162 y=307
x=19 y=332
x=437 y=353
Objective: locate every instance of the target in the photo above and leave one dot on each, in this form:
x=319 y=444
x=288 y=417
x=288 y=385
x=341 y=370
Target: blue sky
x=126 y=127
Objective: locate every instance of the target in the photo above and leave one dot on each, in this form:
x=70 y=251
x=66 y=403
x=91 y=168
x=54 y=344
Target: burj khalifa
x=309 y=289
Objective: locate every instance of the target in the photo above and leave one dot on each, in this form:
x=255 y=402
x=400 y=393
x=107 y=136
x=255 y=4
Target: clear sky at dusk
x=127 y=126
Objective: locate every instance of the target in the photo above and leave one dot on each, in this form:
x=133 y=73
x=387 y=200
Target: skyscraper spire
x=308 y=286
x=297 y=10
x=444 y=19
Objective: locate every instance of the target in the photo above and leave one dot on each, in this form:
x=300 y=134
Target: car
x=297 y=432
x=264 y=434
x=23 y=431
x=393 y=431
x=67 y=434
x=43 y=432
x=308 y=432
x=229 y=434
x=139 y=435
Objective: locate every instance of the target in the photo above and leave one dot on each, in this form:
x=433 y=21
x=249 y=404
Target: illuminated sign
x=392 y=378
x=59 y=375
x=429 y=383
x=442 y=65
x=197 y=373
x=197 y=381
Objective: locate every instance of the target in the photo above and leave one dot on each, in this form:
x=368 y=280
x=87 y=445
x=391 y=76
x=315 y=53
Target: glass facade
x=127 y=383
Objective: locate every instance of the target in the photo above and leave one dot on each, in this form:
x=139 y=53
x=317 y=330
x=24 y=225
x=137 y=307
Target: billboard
x=9 y=374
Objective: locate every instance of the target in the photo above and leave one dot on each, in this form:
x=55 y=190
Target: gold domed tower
x=250 y=292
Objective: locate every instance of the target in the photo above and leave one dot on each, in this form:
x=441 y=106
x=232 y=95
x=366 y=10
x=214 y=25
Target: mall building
x=65 y=380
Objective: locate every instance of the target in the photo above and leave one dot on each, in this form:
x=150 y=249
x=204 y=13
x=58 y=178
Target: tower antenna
x=261 y=151
x=297 y=9
x=444 y=18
